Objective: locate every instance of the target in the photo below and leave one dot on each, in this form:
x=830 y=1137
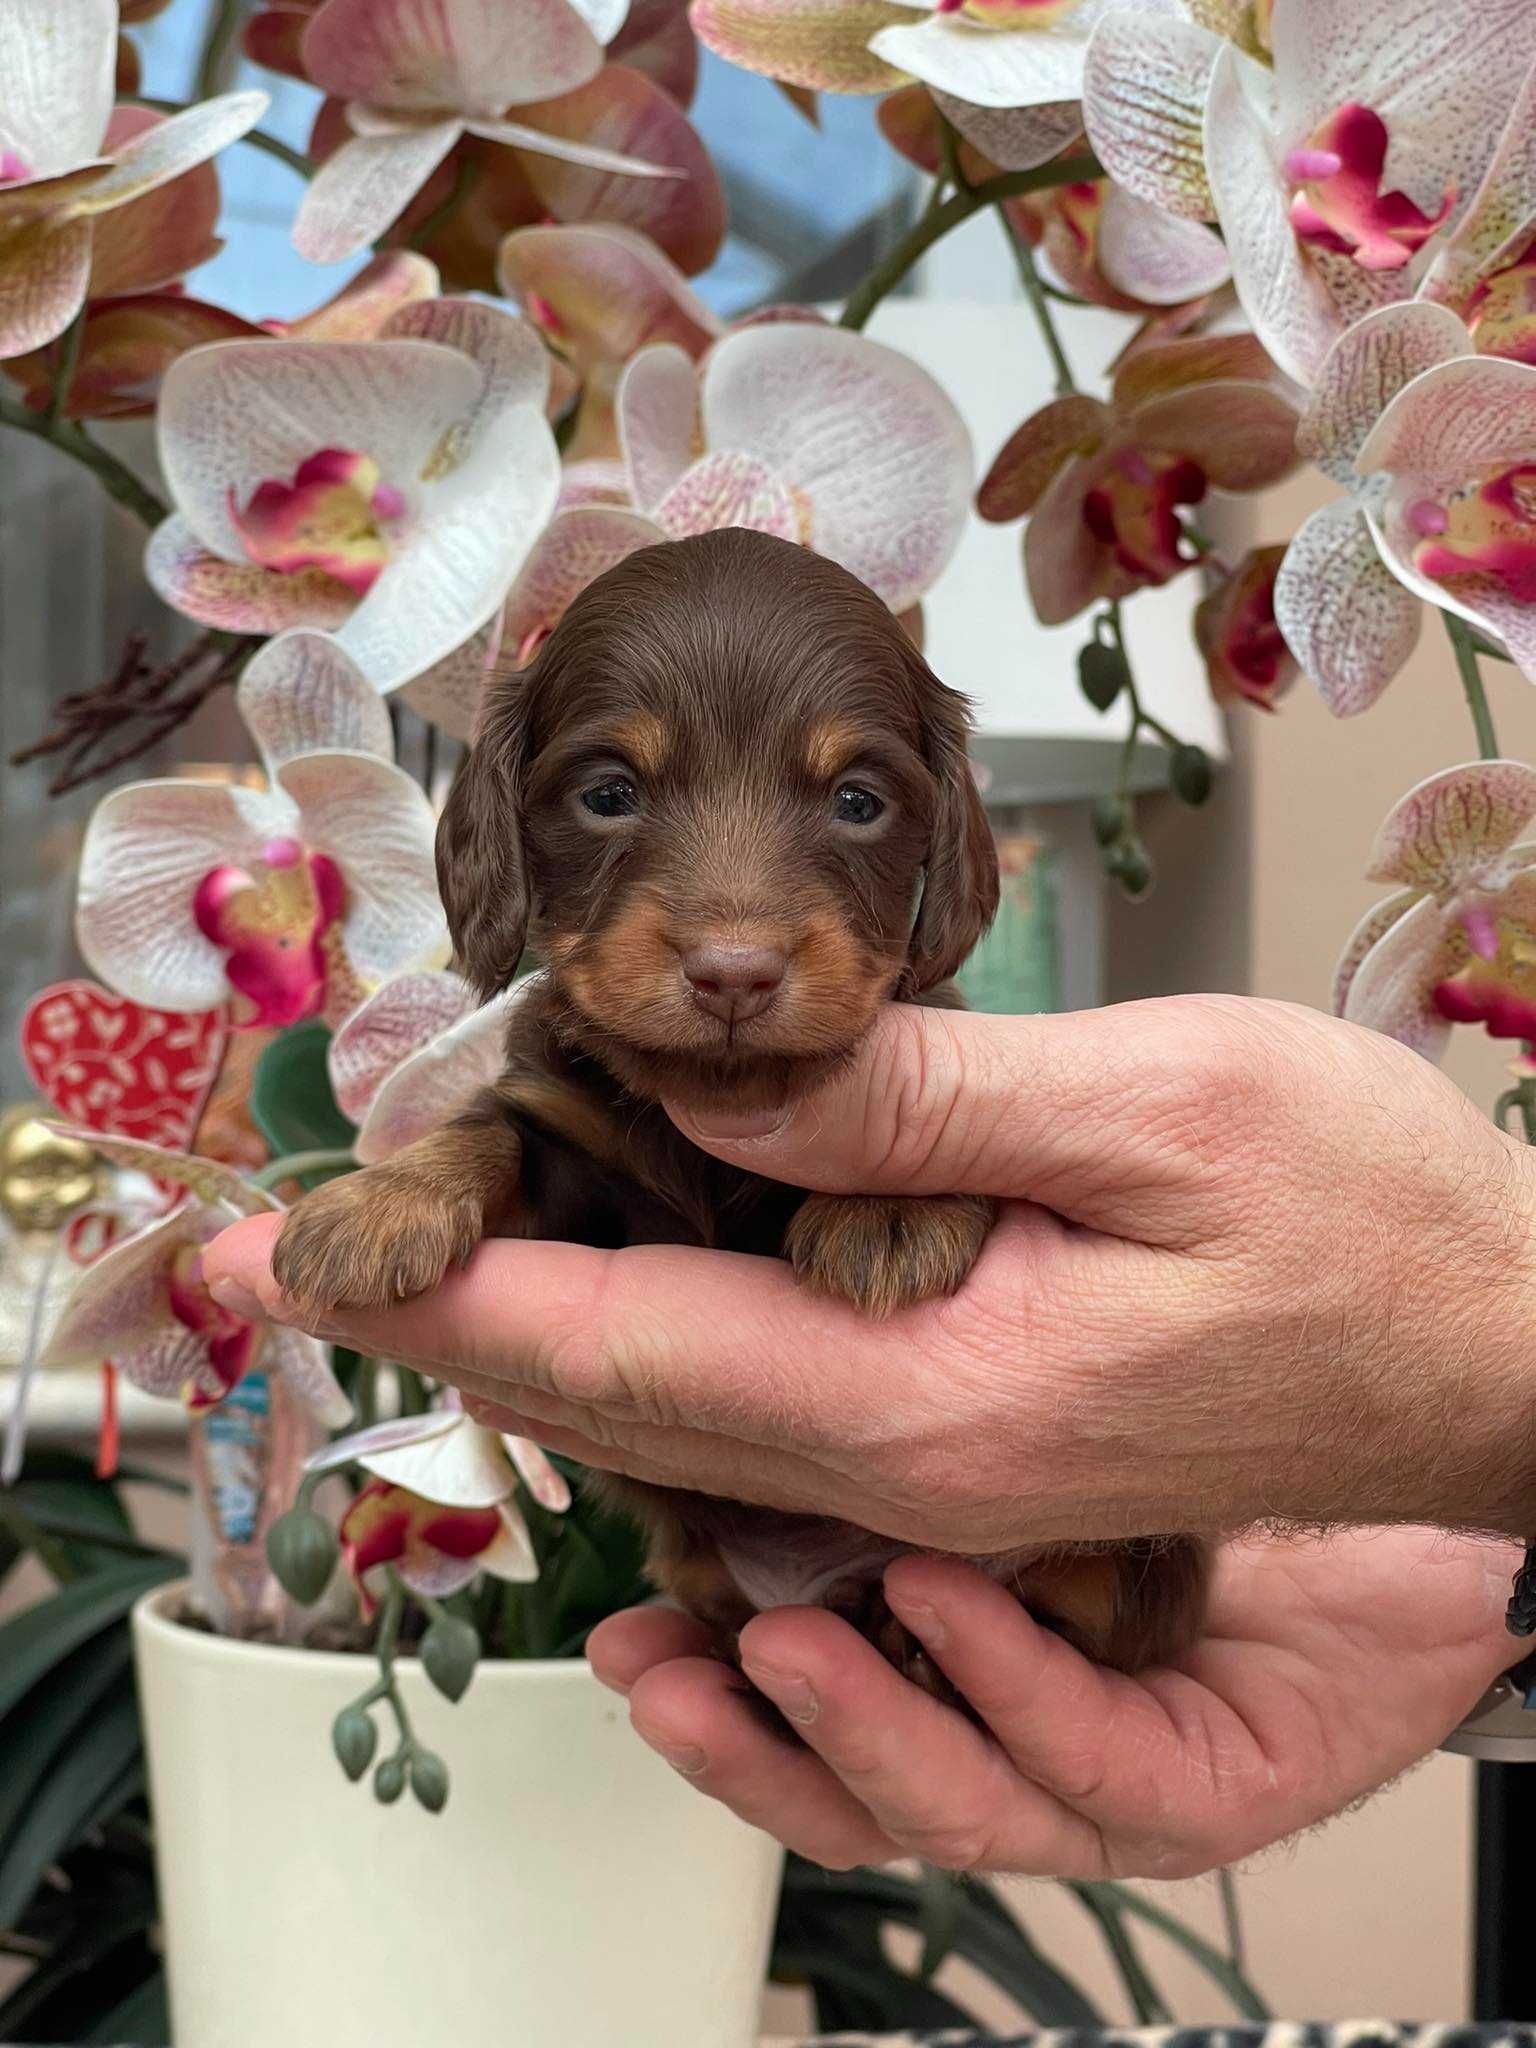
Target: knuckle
x=917 y=1087
x=960 y=1846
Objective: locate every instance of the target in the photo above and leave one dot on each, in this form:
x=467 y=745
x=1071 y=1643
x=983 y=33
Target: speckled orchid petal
x=126 y=347
x=466 y=1466
x=1392 y=987
x=1014 y=138
x=362 y=309
x=1365 y=369
x=636 y=123
x=396 y=1021
x=512 y=360
x=991 y=64
x=597 y=480
x=725 y=489
x=1246 y=658
x=377 y=825
x=574 y=549
x=156 y=239
x=1155 y=257
x=432 y=1085
x=824 y=45
x=147 y=850
x=44 y=271
x=656 y=408
x=210 y=1180
x=1454 y=830
x=1065 y=567
x=302 y=695
x=548 y=1485
x=1144 y=91
x=304 y=1364
x=870 y=438
x=474 y=56
x=1159 y=367
x=239 y=597
x=234 y=416
x=118 y=1307
x=1346 y=618
x=1377 y=921
x=1502 y=212
x=356 y=193
x=172 y=147
x=1036 y=452
x=393 y=1435
x=1242 y=435
x=57 y=81
x=449 y=693
x=599 y=293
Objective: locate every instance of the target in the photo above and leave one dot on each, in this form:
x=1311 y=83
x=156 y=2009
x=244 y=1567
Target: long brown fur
x=735 y=683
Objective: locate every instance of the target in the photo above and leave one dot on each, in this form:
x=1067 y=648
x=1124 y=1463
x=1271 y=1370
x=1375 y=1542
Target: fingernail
x=790 y=1691
x=237 y=1297
x=733 y=1125
x=682 y=1756
x=922 y=1619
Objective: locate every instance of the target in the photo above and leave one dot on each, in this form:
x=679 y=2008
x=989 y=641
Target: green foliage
x=291 y=1100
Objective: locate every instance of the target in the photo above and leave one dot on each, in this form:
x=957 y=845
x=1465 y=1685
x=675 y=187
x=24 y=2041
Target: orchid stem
x=955 y=211
x=223 y=20
x=293 y=1165
x=68 y=363
x=258 y=138
x=71 y=439
x=465 y=175
x=1472 y=682
x=1034 y=291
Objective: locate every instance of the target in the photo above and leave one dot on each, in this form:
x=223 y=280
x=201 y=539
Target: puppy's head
x=732 y=803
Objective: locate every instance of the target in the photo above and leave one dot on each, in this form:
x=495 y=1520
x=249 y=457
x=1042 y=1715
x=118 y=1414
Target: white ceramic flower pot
x=575 y=1890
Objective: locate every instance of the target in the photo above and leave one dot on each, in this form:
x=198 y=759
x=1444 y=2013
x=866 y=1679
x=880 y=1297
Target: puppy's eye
x=614 y=797
x=855 y=806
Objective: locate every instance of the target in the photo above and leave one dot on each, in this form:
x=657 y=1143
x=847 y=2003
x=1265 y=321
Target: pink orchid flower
x=144 y=1304
x=440 y=1503
x=1456 y=942
x=64 y=166
x=1104 y=486
x=1246 y=658
x=414 y=80
x=387 y=491
x=294 y=900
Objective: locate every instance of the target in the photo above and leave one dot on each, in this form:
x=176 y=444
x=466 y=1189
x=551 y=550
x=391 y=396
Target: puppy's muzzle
x=734 y=983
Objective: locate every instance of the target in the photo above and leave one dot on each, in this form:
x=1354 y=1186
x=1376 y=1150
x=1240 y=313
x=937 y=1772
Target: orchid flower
x=1246 y=657
x=1456 y=942
x=414 y=80
x=440 y=1503
x=62 y=166
x=387 y=491
x=1114 y=249
x=415 y=1055
x=1337 y=176
x=811 y=432
x=1103 y=486
x=144 y=1303
x=292 y=901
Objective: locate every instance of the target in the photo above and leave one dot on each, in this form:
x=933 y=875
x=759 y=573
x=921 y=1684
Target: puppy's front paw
x=884 y=1253
x=374 y=1238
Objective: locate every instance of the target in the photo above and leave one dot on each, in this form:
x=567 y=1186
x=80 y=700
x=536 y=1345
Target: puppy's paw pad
x=373 y=1239
x=885 y=1254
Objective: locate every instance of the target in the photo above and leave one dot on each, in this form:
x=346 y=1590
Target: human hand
x=1325 y=1668
x=1251 y=1263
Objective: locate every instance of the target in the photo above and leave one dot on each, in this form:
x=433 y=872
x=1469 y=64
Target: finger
x=933 y=1782
x=623 y=1648
x=700 y=1716
x=948 y=1102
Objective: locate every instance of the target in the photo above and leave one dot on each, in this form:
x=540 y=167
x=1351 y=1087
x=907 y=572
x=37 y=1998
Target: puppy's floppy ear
x=959 y=897
x=481 y=872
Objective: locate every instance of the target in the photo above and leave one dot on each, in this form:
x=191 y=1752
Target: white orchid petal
x=432 y=1086
x=976 y=63
x=147 y=848
x=1364 y=371
x=1014 y=138
x=378 y=826
x=476 y=56
x=213 y=1183
x=871 y=439
x=453 y=569
x=519 y=136
x=302 y=694
x=1158 y=258
x=1393 y=985
x=1144 y=91
x=172 y=148
x=1456 y=419
x=119 y=1302
x=237 y=413
x=604 y=17
x=449 y=692
x=1449 y=832
x=547 y=1485
x=371 y=179
x=577 y=546
x=1502 y=211
x=45 y=270
x=1347 y=619
x=462 y=1467
x=1377 y=921
x=399 y=1431
x=239 y=597
x=56 y=80
x=304 y=1363
x=400 y=1018
x=513 y=360
x=511 y=1555
x=656 y=407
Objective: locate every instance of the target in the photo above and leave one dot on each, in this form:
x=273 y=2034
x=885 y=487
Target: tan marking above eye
x=645 y=740
x=831 y=745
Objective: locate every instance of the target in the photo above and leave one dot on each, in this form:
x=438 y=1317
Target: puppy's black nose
x=734 y=983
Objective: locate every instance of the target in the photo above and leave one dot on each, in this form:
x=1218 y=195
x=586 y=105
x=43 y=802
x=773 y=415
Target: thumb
x=1069 y=1111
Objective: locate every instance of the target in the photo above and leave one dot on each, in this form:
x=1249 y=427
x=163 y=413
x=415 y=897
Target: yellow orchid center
x=334 y=516
x=1487 y=530
x=1009 y=14
x=1501 y=312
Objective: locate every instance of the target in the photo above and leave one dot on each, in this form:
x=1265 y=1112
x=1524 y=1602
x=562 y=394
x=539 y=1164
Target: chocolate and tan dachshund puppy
x=729 y=805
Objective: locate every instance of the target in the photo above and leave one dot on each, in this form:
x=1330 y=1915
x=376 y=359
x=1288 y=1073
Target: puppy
x=731 y=804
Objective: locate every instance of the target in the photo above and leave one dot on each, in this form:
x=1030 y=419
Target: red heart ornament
x=115 y=1067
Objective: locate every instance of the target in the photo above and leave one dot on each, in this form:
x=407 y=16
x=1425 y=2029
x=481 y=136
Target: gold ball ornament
x=44 y=1178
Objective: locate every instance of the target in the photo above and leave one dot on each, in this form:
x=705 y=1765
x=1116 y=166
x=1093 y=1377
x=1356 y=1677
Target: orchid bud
x=1109 y=819
x=1102 y=673
x=429 y=1779
x=389 y=1780
x=450 y=1650
x=1131 y=866
x=354 y=1739
x=302 y=1551
x=1189 y=774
